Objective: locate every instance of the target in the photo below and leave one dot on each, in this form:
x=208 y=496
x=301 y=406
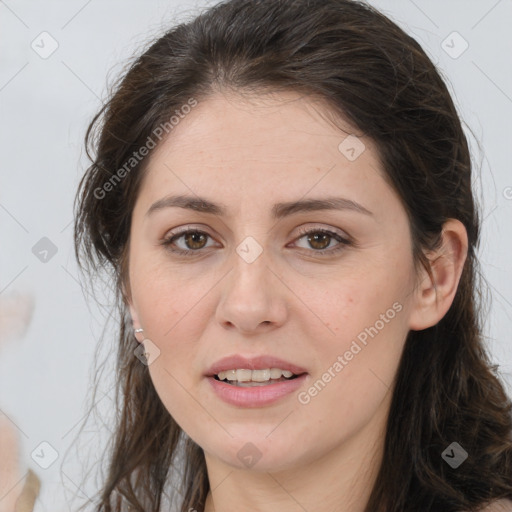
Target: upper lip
x=252 y=363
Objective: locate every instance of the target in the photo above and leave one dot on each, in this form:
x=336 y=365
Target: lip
x=239 y=362
x=257 y=396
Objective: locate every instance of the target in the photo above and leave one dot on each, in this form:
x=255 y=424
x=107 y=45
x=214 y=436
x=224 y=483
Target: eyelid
x=304 y=230
x=201 y=228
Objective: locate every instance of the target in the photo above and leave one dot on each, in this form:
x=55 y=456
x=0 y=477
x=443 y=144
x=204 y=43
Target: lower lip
x=256 y=396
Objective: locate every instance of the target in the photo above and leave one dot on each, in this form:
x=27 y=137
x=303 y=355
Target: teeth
x=243 y=375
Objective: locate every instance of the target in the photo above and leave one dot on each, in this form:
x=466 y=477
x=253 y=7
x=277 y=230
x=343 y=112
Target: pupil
x=313 y=239
x=194 y=237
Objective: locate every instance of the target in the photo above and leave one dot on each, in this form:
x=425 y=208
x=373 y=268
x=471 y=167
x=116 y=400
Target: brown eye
x=319 y=240
x=195 y=239
x=191 y=240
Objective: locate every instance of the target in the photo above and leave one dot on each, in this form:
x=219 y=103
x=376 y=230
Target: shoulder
x=499 y=506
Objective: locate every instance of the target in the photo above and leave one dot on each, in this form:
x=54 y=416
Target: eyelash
x=343 y=242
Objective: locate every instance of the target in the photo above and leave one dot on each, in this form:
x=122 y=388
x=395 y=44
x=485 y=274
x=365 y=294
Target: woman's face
x=336 y=303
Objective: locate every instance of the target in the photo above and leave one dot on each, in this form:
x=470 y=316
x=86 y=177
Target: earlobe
x=136 y=323
x=434 y=295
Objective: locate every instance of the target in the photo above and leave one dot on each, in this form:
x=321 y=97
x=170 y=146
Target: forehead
x=280 y=147
x=281 y=126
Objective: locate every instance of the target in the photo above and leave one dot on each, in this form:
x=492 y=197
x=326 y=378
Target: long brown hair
x=369 y=71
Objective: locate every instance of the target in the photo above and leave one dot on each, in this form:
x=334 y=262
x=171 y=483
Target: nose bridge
x=250 y=296
x=250 y=268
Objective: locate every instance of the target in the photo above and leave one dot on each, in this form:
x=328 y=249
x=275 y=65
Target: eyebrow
x=279 y=210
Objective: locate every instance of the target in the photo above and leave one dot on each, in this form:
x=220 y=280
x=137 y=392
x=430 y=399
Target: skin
x=291 y=302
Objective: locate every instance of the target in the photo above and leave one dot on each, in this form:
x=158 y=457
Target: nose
x=253 y=298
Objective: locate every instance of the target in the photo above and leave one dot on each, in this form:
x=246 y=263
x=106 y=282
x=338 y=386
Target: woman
x=281 y=191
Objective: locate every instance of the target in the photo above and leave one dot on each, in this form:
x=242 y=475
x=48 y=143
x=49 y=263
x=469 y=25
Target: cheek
x=172 y=315
x=355 y=372
x=167 y=302
x=362 y=331
x=174 y=310
x=344 y=305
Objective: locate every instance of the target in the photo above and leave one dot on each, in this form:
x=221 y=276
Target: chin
x=255 y=454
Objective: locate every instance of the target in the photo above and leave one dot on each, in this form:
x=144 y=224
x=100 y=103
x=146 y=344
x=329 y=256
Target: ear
x=434 y=296
x=128 y=301
x=135 y=322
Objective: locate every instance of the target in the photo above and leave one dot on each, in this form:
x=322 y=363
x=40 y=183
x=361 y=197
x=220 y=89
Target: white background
x=45 y=106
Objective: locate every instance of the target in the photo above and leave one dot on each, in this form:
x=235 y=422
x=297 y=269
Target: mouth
x=254 y=381
x=253 y=394
x=255 y=378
